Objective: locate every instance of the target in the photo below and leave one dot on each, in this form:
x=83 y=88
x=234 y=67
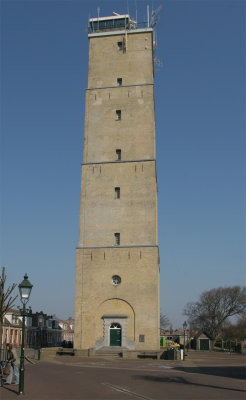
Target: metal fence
x=124 y=27
x=235 y=346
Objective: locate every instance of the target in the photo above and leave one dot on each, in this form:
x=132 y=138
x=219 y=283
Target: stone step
x=109 y=352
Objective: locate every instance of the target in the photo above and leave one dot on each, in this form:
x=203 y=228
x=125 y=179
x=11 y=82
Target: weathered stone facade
x=118 y=196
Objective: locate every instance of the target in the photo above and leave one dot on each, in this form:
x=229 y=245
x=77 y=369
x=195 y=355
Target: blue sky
x=200 y=136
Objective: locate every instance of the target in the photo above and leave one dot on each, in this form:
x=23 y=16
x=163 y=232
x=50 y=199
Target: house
x=12 y=327
x=67 y=332
x=41 y=330
x=45 y=330
x=201 y=341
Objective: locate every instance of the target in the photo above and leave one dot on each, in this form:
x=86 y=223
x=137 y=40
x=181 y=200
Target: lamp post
x=40 y=324
x=25 y=288
x=184 y=327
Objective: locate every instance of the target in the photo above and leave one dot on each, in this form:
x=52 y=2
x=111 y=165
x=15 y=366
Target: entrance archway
x=115 y=311
x=115 y=334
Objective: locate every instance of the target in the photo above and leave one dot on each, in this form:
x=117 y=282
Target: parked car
x=172 y=345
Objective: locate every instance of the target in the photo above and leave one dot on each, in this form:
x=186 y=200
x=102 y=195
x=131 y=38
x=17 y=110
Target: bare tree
x=236 y=331
x=164 y=321
x=215 y=307
x=6 y=300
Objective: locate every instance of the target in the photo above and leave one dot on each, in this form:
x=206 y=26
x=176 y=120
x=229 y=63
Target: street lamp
x=184 y=327
x=40 y=324
x=25 y=288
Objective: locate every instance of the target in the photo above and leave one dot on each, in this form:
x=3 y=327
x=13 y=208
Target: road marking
x=120 y=389
x=162 y=366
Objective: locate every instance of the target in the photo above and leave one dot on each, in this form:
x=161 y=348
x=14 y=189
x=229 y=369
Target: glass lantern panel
x=25 y=293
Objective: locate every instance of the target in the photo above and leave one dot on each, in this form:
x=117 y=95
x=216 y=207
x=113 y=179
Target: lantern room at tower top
x=114 y=22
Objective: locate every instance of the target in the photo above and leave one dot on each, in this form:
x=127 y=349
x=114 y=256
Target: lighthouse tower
x=117 y=258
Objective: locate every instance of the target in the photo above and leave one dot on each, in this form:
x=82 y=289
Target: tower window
x=118 y=115
x=117 y=239
x=141 y=338
x=120 y=46
x=118 y=154
x=117 y=192
x=116 y=280
x=119 y=81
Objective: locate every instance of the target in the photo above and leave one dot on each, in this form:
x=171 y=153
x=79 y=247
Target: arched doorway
x=115 y=311
x=115 y=334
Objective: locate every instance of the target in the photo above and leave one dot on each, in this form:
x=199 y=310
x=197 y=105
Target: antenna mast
x=154 y=20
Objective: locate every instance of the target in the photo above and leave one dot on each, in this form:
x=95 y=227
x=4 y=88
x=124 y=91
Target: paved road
x=202 y=376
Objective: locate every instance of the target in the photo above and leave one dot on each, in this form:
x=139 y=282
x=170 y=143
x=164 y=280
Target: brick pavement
x=201 y=376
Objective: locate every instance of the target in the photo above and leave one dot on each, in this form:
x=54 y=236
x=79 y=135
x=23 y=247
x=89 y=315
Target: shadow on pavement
x=183 y=381
x=235 y=372
x=10 y=390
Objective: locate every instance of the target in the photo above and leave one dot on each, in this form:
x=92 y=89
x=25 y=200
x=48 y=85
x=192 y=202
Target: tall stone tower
x=117 y=258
